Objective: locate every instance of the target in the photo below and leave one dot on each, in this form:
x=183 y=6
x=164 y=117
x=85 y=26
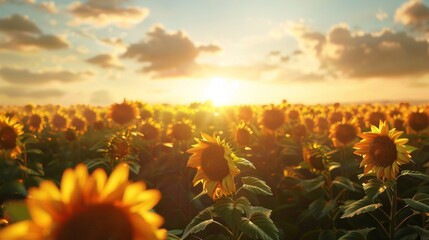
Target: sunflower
x=418 y=121
x=90 y=115
x=383 y=151
x=316 y=156
x=123 y=113
x=150 y=130
x=10 y=130
x=35 y=122
x=181 y=131
x=243 y=134
x=344 y=133
x=273 y=118
x=90 y=207
x=215 y=164
x=59 y=121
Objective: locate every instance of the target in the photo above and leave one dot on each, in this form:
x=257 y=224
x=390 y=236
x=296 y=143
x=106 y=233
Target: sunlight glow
x=221 y=91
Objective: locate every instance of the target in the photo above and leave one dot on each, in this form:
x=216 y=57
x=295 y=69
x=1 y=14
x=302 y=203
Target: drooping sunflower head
x=90 y=207
x=123 y=113
x=383 y=151
x=215 y=164
x=10 y=130
x=344 y=133
x=316 y=156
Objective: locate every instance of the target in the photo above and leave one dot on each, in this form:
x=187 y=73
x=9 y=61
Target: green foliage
x=359 y=234
x=419 y=202
x=346 y=183
x=320 y=207
x=199 y=222
x=255 y=185
x=374 y=187
x=311 y=184
x=363 y=205
x=258 y=225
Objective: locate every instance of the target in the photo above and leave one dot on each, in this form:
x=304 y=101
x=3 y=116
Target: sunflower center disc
x=214 y=163
x=7 y=138
x=383 y=151
x=345 y=133
x=103 y=221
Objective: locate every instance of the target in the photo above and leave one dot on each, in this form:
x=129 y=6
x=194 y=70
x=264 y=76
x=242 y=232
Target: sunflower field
x=282 y=171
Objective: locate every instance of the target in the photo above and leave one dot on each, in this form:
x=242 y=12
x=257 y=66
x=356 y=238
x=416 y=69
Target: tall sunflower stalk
x=383 y=153
x=217 y=169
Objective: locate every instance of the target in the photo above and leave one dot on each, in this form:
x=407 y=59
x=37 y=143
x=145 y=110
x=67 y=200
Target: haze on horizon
x=229 y=52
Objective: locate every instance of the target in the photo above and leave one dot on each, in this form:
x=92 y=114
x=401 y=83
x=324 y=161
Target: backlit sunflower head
x=90 y=207
x=181 y=131
x=215 y=164
x=383 y=151
x=10 y=130
x=150 y=129
x=59 y=121
x=344 y=134
x=273 y=118
x=35 y=122
x=316 y=156
x=242 y=134
x=418 y=121
x=123 y=113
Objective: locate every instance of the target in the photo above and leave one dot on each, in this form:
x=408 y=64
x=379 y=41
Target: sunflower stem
x=224 y=228
x=405 y=219
x=393 y=206
x=25 y=161
x=379 y=223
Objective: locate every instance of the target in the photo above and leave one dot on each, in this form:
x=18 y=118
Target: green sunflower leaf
x=374 y=187
x=363 y=205
x=345 y=183
x=415 y=174
x=259 y=226
x=244 y=163
x=231 y=211
x=410 y=149
x=419 y=202
x=320 y=207
x=199 y=222
x=359 y=234
x=255 y=185
x=312 y=184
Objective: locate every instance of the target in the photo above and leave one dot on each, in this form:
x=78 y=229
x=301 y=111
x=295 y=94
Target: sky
x=227 y=51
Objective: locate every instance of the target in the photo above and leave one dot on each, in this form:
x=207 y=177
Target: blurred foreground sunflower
x=215 y=164
x=10 y=130
x=383 y=151
x=90 y=207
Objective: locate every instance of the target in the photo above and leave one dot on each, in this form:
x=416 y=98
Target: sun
x=221 y=91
